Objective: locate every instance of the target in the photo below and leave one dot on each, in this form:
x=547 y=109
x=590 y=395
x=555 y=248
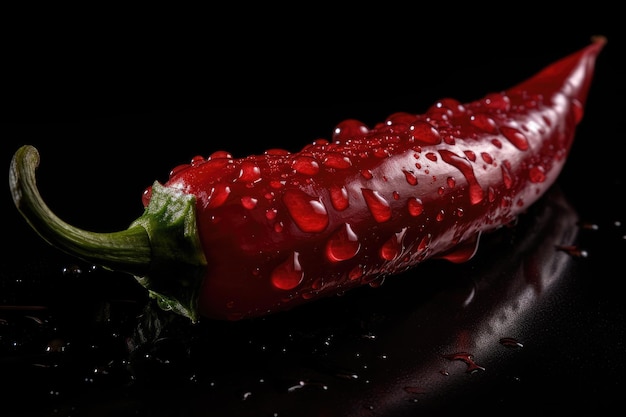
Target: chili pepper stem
x=161 y=248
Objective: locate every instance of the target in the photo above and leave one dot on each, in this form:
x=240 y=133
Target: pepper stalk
x=161 y=248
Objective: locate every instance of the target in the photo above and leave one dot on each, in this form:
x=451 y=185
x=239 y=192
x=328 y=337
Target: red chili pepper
x=232 y=238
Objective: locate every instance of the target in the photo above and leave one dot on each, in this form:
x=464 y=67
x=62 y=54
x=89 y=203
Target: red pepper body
x=283 y=228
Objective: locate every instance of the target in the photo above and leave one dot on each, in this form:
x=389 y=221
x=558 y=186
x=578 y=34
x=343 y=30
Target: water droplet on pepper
x=289 y=274
x=306 y=165
x=342 y=245
x=536 y=174
x=424 y=133
x=517 y=138
x=378 y=206
x=415 y=206
x=476 y=193
x=307 y=212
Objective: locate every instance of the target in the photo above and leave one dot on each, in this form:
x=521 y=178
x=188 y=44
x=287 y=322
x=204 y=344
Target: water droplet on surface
x=507 y=178
x=464 y=251
x=415 y=206
x=517 y=138
x=431 y=156
x=497 y=101
x=470 y=155
x=349 y=129
x=270 y=214
x=289 y=274
x=467 y=358
x=199 y=159
x=367 y=174
x=249 y=172
x=536 y=174
x=392 y=248
x=342 y=245
x=337 y=161
x=410 y=177
x=306 y=165
x=424 y=133
x=355 y=273
x=484 y=123
x=214 y=155
x=277 y=152
x=578 y=109
x=249 y=202
x=339 y=197
x=476 y=193
x=573 y=250
x=218 y=195
x=510 y=342
x=378 y=206
x=307 y=212
x=486 y=157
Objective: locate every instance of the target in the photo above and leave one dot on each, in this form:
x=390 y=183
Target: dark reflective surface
x=533 y=324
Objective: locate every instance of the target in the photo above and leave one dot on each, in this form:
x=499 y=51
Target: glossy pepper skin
x=234 y=238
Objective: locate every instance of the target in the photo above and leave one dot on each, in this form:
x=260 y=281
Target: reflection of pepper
x=233 y=238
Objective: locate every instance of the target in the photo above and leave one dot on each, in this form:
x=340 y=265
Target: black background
x=114 y=103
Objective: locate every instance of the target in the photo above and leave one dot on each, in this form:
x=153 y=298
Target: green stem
x=128 y=250
x=161 y=248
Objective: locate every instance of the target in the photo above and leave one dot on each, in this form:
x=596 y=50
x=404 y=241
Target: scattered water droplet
x=536 y=174
x=415 y=206
x=249 y=172
x=367 y=174
x=306 y=165
x=339 y=197
x=510 y=342
x=424 y=133
x=392 y=248
x=214 y=155
x=218 y=195
x=464 y=251
x=73 y=271
x=507 y=178
x=337 y=161
x=249 y=202
x=573 y=250
x=589 y=226
x=307 y=212
x=431 y=156
x=349 y=129
x=467 y=358
x=470 y=155
x=289 y=274
x=410 y=177
x=355 y=273
x=486 y=157
x=517 y=138
x=578 y=109
x=307 y=384
x=484 y=123
x=497 y=101
x=343 y=244
x=476 y=193
x=270 y=214
x=378 y=206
